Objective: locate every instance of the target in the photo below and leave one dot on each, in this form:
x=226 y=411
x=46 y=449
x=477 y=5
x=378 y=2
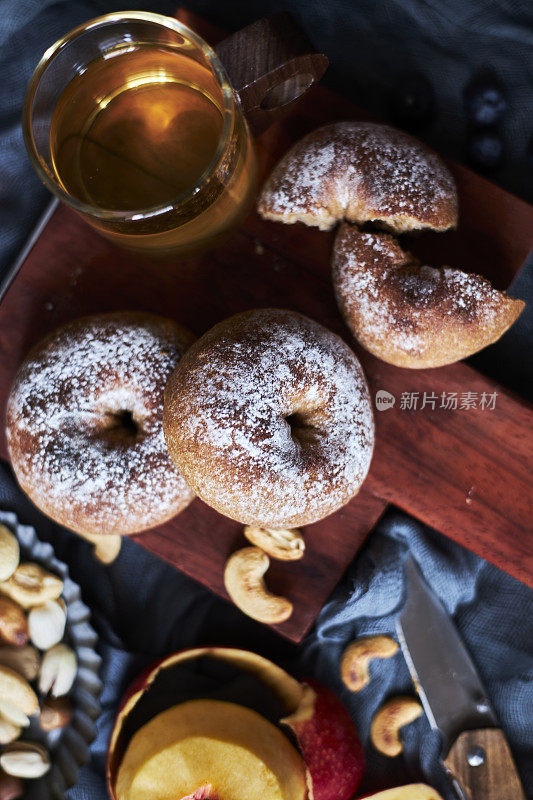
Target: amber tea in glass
x=132 y=120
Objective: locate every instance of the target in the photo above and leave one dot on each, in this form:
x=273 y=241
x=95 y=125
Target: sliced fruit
x=329 y=744
x=326 y=733
x=413 y=791
x=209 y=742
x=287 y=688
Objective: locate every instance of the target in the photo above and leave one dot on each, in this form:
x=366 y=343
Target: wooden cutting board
x=465 y=472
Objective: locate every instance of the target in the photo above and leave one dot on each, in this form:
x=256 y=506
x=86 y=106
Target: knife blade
x=475 y=752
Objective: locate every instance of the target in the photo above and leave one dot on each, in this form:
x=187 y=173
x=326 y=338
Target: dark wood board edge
x=10 y=274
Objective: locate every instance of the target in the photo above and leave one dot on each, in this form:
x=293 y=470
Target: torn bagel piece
x=405 y=313
x=409 y=314
x=361 y=172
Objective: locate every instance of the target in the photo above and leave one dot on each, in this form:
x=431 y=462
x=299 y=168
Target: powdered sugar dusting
x=70 y=412
x=361 y=172
x=411 y=314
x=269 y=419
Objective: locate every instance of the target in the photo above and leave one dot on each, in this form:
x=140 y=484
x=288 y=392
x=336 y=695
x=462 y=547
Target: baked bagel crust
x=361 y=172
x=84 y=423
x=413 y=315
x=268 y=418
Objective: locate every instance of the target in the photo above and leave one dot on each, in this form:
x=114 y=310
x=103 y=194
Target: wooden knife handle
x=482 y=764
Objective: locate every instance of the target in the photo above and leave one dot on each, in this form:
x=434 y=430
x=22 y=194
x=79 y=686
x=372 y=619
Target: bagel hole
x=127 y=422
x=302 y=430
x=123 y=423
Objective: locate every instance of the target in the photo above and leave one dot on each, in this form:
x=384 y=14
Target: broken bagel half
x=409 y=314
x=361 y=172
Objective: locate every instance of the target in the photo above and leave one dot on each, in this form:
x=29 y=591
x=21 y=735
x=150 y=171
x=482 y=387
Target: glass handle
x=270 y=63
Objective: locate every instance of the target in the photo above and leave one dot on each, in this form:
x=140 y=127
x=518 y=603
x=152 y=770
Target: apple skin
x=322 y=725
x=329 y=743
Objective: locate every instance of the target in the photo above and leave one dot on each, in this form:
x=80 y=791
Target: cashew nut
x=106 y=546
x=9 y=553
x=25 y=760
x=387 y=722
x=10 y=788
x=11 y=713
x=47 y=624
x=13 y=623
x=24 y=660
x=58 y=670
x=18 y=690
x=243 y=579
x=8 y=732
x=31 y=585
x=358 y=655
x=18 y=701
x=56 y=712
x=285 y=545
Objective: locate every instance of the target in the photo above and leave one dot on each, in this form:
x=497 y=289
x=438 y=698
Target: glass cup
x=131 y=181
x=189 y=216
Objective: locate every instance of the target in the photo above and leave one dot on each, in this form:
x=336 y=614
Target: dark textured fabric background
x=373 y=46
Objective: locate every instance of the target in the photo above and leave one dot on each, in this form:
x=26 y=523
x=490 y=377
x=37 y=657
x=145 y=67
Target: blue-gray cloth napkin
x=493 y=613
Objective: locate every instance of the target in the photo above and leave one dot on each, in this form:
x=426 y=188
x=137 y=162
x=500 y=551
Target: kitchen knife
x=475 y=752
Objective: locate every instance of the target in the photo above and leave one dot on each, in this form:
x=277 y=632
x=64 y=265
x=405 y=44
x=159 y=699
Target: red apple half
x=329 y=744
x=324 y=730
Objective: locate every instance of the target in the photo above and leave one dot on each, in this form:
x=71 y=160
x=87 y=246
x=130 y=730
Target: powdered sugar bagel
x=361 y=172
x=84 y=423
x=409 y=314
x=268 y=418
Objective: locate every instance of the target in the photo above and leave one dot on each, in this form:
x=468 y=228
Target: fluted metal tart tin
x=68 y=746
